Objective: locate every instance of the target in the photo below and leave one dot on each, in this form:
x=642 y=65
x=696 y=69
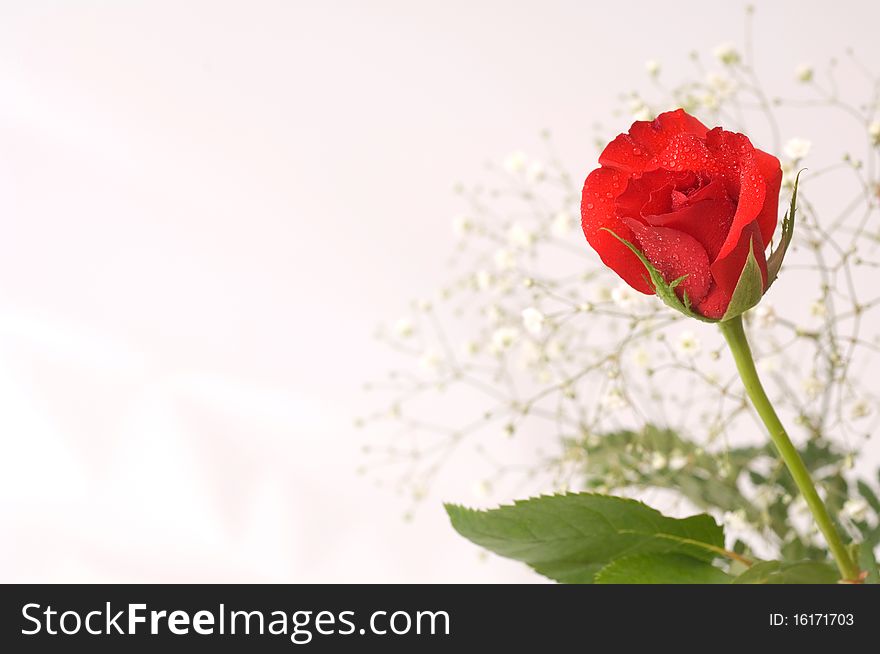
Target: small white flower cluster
x=804 y=73
x=503 y=338
x=874 y=132
x=624 y=296
x=517 y=163
x=688 y=344
x=533 y=321
x=719 y=87
x=797 y=149
x=727 y=54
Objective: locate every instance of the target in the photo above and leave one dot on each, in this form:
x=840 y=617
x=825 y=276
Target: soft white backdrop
x=206 y=207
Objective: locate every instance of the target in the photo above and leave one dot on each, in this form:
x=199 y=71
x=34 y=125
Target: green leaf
x=660 y=569
x=749 y=288
x=868 y=563
x=571 y=537
x=779 y=572
x=774 y=261
x=664 y=290
x=869 y=495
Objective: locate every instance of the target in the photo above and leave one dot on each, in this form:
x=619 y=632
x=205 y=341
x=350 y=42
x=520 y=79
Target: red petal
x=707 y=217
x=715 y=304
x=625 y=154
x=601 y=189
x=685 y=152
x=654 y=135
x=735 y=157
x=649 y=193
x=771 y=171
x=675 y=254
x=634 y=151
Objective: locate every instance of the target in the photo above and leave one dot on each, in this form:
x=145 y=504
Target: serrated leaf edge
x=453 y=508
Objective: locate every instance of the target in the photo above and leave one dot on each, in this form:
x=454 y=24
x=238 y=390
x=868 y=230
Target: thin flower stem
x=745 y=364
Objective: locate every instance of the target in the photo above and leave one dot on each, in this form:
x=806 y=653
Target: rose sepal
x=774 y=261
x=749 y=288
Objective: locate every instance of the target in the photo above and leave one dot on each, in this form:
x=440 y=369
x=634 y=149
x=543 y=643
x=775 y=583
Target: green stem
x=742 y=355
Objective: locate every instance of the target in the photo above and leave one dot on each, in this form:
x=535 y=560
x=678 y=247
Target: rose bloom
x=692 y=199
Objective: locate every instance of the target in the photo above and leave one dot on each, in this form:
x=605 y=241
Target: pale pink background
x=208 y=206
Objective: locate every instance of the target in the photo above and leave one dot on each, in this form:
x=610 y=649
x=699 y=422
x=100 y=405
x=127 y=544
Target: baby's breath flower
x=515 y=162
x=461 y=226
x=765 y=496
x=658 y=461
x=641 y=357
x=764 y=315
x=483 y=279
x=804 y=73
x=818 y=309
x=520 y=237
x=678 y=461
x=614 y=400
x=563 y=223
x=797 y=148
x=721 y=84
x=494 y=314
x=403 y=328
x=788 y=174
x=624 y=296
x=430 y=360
x=533 y=321
x=536 y=172
x=854 y=508
x=602 y=293
x=635 y=102
x=769 y=363
x=554 y=349
x=727 y=54
x=504 y=259
x=709 y=100
x=503 y=338
x=798 y=507
x=860 y=409
x=482 y=489
x=735 y=520
x=470 y=348
x=812 y=386
x=643 y=113
x=653 y=67
x=530 y=354
x=688 y=344
x=874 y=132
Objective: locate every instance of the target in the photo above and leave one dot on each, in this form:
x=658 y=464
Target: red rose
x=694 y=201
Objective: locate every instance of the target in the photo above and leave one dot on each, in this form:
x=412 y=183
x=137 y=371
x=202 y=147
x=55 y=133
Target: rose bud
x=687 y=212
